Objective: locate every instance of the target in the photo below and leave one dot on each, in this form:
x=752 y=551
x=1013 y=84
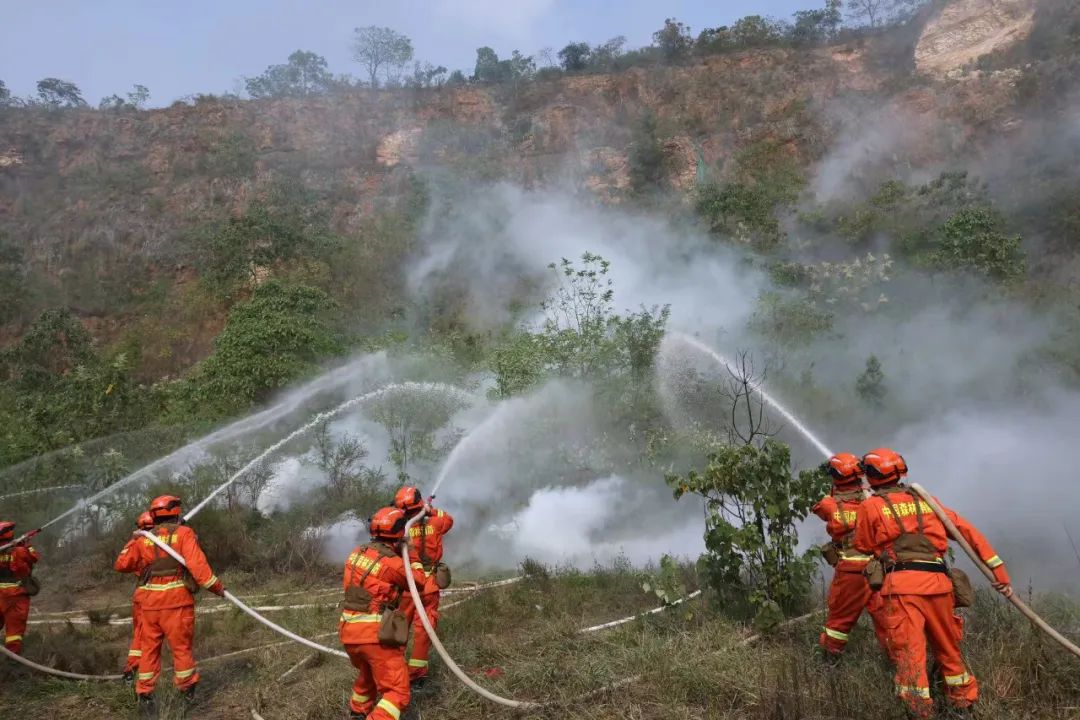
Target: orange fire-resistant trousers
x=135 y=651
x=421 y=643
x=14 y=609
x=382 y=672
x=911 y=620
x=849 y=595
x=177 y=626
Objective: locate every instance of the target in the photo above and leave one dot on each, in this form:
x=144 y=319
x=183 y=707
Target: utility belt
x=923 y=565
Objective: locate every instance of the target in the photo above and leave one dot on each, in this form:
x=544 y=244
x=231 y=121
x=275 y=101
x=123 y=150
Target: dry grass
x=690 y=659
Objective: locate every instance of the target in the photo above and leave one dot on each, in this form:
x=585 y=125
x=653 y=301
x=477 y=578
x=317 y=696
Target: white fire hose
x=240 y=604
x=419 y=605
x=955 y=536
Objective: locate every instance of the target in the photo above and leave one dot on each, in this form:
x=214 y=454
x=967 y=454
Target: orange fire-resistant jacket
x=163 y=593
x=840 y=513
x=16 y=564
x=876 y=530
x=381 y=573
x=130 y=559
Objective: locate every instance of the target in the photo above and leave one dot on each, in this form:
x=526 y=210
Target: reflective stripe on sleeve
x=134 y=653
x=418 y=663
x=210 y=583
x=13 y=638
x=994 y=562
x=390 y=708
x=8 y=586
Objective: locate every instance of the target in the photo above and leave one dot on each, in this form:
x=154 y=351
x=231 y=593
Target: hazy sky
x=181 y=48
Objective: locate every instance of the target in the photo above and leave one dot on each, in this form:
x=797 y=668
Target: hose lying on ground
x=58 y=673
x=631 y=618
x=240 y=604
x=954 y=534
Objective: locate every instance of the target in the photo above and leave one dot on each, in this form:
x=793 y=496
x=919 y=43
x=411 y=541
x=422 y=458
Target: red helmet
x=845 y=469
x=387 y=524
x=145 y=521
x=7 y=531
x=409 y=499
x=884 y=466
x=165 y=506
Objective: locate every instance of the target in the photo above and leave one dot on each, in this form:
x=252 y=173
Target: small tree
x=138 y=96
x=813 y=27
x=575 y=57
x=342 y=461
x=412 y=416
x=304 y=74
x=487 y=66
x=870 y=385
x=381 y=49
x=427 y=75
x=5 y=95
x=673 y=40
x=975 y=239
x=57 y=93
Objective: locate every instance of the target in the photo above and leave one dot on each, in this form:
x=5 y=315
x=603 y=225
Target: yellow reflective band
x=147 y=676
x=346 y=617
x=134 y=653
x=923 y=692
x=8 y=586
x=12 y=638
x=184 y=673
x=210 y=583
x=994 y=562
x=836 y=635
x=356 y=698
x=390 y=707
x=418 y=663
x=176 y=584
x=441 y=513
x=963 y=679
x=854 y=557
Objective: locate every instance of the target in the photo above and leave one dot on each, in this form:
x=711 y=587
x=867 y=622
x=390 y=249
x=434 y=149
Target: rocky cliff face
x=965 y=30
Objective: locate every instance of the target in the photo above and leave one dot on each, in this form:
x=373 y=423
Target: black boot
x=189 y=695
x=417 y=684
x=147 y=707
x=353 y=715
x=128 y=676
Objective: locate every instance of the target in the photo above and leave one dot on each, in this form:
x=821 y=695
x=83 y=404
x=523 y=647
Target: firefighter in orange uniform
x=902 y=530
x=166 y=599
x=130 y=561
x=374 y=581
x=425 y=558
x=849 y=593
x=16 y=586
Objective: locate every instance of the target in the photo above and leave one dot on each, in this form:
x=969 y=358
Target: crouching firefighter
x=849 y=593
x=130 y=560
x=920 y=593
x=166 y=599
x=431 y=574
x=372 y=629
x=17 y=586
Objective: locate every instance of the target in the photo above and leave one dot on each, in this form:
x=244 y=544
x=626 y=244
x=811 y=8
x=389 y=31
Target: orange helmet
x=145 y=521
x=164 y=507
x=387 y=524
x=884 y=466
x=845 y=469
x=408 y=499
x=7 y=530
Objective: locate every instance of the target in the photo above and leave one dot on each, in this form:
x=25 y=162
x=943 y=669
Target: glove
x=1004 y=588
x=218 y=589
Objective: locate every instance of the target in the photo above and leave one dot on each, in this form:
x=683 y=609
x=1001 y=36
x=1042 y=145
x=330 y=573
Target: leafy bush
x=646 y=155
x=753 y=504
x=975 y=239
x=276 y=336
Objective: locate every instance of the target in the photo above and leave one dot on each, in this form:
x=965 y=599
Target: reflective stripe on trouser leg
x=421 y=645
x=389 y=676
x=151 y=636
x=15 y=610
x=848 y=596
x=363 y=690
x=179 y=627
x=905 y=621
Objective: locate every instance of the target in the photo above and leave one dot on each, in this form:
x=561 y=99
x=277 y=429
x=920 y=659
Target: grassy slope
x=691 y=659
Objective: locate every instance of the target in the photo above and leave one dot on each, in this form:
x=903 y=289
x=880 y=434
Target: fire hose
x=954 y=534
x=244 y=608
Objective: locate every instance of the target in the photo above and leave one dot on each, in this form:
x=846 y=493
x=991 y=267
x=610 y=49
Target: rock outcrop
x=965 y=30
